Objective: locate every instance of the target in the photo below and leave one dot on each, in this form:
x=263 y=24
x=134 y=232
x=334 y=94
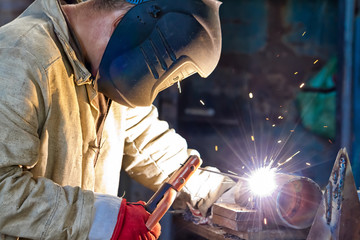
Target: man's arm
x=34 y=208
x=153 y=152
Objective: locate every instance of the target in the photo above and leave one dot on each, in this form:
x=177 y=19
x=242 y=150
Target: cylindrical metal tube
x=293 y=203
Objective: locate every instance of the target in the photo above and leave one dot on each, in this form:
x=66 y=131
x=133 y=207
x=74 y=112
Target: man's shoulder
x=33 y=35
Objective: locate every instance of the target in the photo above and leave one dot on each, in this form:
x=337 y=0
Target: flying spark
x=303 y=33
x=265 y=221
x=252 y=138
x=232 y=172
x=302 y=85
x=265 y=159
x=202 y=102
x=279 y=141
x=287 y=160
x=296 y=73
x=273 y=125
x=179 y=87
x=251 y=95
x=271 y=162
x=316 y=61
x=216 y=148
x=309 y=164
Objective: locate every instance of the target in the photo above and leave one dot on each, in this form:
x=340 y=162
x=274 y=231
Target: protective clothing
x=48 y=141
x=159 y=43
x=105 y=217
x=131 y=223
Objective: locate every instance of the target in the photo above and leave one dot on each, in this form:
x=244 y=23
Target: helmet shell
x=156 y=44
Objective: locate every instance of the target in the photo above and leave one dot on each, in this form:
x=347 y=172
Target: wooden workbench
x=220 y=233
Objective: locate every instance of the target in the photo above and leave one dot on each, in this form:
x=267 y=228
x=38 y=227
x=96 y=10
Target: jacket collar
x=53 y=10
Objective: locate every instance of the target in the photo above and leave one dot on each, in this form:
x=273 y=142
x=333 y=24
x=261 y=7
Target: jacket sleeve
x=153 y=152
x=34 y=208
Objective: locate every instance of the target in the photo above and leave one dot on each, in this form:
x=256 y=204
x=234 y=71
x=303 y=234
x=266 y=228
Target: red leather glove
x=131 y=221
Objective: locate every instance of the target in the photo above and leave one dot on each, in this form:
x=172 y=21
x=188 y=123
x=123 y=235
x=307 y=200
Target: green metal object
x=317 y=102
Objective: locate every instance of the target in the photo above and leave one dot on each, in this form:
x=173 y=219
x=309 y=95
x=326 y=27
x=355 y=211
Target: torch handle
x=162 y=200
x=164 y=204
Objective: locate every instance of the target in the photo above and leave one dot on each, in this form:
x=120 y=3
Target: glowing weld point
x=179 y=87
x=302 y=85
x=265 y=221
x=262 y=181
x=202 y=102
x=303 y=33
x=251 y=95
x=316 y=61
x=309 y=164
x=252 y=138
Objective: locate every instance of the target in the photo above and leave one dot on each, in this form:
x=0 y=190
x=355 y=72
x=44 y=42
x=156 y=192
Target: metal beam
x=347 y=18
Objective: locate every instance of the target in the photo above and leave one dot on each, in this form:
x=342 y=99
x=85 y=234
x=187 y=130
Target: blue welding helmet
x=156 y=44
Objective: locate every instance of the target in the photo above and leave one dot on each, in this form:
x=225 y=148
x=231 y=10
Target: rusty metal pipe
x=293 y=203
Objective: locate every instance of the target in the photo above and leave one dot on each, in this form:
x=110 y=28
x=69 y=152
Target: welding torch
x=163 y=198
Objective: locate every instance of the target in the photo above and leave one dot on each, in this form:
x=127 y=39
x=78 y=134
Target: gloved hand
x=131 y=223
x=115 y=218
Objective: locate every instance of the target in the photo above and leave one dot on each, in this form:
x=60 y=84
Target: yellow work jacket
x=48 y=142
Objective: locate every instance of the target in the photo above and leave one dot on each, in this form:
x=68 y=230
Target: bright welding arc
x=262 y=181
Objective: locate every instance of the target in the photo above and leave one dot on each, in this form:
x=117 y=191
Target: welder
x=77 y=83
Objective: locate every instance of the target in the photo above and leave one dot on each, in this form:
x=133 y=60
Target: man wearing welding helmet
x=77 y=84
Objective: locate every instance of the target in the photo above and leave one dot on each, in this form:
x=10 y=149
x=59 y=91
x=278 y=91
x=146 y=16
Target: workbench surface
x=220 y=233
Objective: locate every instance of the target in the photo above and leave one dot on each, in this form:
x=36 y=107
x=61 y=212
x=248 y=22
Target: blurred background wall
x=10 y=9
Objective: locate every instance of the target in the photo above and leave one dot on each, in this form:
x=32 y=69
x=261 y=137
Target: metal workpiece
x=237 y=218
x=293 y=203
x=328 y=202
x=338 y=216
